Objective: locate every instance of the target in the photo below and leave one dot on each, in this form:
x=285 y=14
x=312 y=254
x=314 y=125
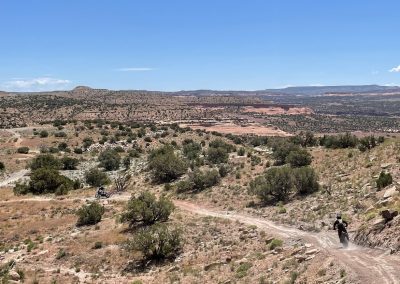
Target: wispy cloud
x=390 y=85
x=395 y=69
x=135 y=69
x=35 y=84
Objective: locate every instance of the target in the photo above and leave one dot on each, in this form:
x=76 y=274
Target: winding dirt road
x=367 y=265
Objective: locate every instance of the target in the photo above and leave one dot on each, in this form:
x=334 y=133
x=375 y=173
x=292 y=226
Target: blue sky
x=204 y=44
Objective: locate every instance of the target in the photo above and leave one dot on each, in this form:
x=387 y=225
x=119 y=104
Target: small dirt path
x=368 y=265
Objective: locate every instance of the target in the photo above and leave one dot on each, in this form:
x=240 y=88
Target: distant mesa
x=82 y=89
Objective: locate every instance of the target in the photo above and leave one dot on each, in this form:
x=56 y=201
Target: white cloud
x=135 y=69
x=35 y=84
x=283 y=87
x=395 y=69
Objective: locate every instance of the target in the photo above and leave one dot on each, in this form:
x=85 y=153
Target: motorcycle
x=344 y=239
x=102 y=194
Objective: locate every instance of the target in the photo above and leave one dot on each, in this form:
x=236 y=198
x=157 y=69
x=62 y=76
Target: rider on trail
x=101 y=191
x=340 y=224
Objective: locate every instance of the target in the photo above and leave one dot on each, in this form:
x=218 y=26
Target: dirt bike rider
x=340 y=224
x=101 y=191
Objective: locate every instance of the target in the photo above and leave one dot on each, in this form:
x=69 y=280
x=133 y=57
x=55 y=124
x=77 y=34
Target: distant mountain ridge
x=299 y=90
x=320 y=90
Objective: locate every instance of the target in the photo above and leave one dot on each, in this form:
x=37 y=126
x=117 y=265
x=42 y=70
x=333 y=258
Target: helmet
x=338 y=216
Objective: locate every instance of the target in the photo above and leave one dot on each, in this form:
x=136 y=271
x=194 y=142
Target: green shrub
x=90 y=214
x=141 y=132
x=60 y=134
x=165 y=165
x=199 y=181
x=305 y=139
x=167 y=187
x=204 y=179
x=191 y=150
x=223 y=170
x=275 y=185
x=147 y=210
x=368 y=142
x=119 y=149
x=217 y=155
x=298 y=158
x=218 y=151
x=43 y=134
x=97 y=245
x=281 y=150
x=2 y=166
x=78 y=151
x=134 y=153
x=275 y=243
x=339 y=141
x=63 y=189
x=255 y=160
x=54 y=150
x=62 y=146
x=384 y=180
x=69 y=163
x=158 y=242
x=258 y=141
x=23 y=150
x=77 y=184
x=95 y=177
x=44 y=180
x=241 y=151
x=110 y=160
x=61 y=254
x=45 y=161
x=305 y=180
x=281 y=210
x=184 y=186
x=127 y=162
x=241 y=271
x=87 y=141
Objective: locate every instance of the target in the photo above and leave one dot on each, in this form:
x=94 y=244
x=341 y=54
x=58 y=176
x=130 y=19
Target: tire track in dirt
x=368 y=265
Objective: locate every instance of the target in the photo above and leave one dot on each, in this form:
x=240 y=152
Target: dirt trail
x=16 y=135
x=368 y=265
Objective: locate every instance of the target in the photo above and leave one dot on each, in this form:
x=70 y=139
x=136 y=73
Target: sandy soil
x=226 y=128
x=278 y=110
